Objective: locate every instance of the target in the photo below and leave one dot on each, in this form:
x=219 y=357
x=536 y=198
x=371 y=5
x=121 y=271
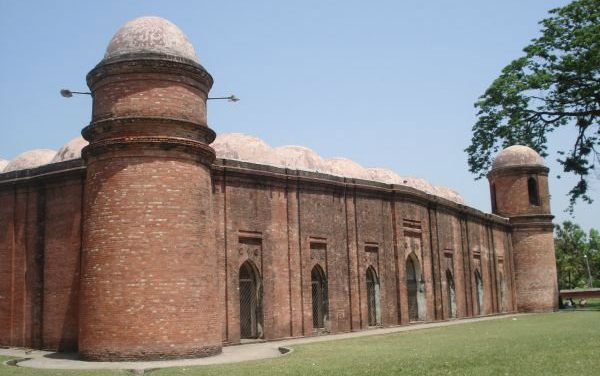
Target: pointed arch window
x=320 y=299
x=450 y=294
x=250 y=301
x=373 y=298
x=479 y=293
x=416 y=291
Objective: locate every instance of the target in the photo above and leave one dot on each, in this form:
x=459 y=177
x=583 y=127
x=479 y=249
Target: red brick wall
x=62 y=251
x=150 y=287
x=533 y=261
x=39 y=249
x=149 y=268
x=149 y=264
x=288 y=214
x=535 y=270
x=149 y=94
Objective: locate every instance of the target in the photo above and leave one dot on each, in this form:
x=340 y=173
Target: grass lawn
x=557 y=343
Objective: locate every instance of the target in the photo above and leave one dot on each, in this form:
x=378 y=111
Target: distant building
x=144 y=246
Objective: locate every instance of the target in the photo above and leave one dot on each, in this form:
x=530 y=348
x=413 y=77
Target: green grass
x=557 y=343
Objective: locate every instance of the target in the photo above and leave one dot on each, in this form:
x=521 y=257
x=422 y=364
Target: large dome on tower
x=517 y=155
x=150 y=35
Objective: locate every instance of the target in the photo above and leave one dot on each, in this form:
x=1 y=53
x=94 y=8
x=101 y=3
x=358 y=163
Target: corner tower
x=519 y=189
x=149 y=264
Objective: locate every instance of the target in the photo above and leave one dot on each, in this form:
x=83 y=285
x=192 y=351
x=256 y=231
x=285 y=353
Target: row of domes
x=40 y=157
x=242 y=147
x=246 y=148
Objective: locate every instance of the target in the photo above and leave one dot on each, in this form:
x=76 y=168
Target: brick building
x=147 y=245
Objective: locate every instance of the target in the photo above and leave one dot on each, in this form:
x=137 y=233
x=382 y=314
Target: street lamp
x=68 y=93
x=231 y=98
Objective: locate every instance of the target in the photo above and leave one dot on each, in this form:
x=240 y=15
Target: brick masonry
x=150 y=271
x=135 y=251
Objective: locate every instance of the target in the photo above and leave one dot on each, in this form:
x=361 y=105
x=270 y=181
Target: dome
x=346 y=167
x=30 y=159
x=70 y=150
x=150 y=35
x=241 y=147
x=517 y=155
x=3 y=163
x=298 y=157
x=384 y=175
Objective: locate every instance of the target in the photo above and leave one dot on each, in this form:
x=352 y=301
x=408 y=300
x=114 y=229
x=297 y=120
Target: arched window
x=532 y=188
x=479 y=292
x=416 y=290
x=320 y=301
x=373 y=298
x=451 y=294
x=250 y=301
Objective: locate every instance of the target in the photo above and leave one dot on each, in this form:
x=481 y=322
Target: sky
x=385 y=83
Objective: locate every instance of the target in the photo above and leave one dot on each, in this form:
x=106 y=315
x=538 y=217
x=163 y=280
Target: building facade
x=149 y=247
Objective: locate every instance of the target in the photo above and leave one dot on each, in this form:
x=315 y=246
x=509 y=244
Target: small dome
x=517 y=155
x=3 y=163
x=70 y=150
x=346 y=167
x=150 y=35
x=30 y=159
x=241 y=147
x=297 y=157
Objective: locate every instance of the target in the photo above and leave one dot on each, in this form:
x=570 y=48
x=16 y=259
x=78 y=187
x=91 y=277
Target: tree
x=555 y=84
x=572 y=246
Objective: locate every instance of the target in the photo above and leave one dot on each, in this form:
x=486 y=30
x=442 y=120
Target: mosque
x=153 y=238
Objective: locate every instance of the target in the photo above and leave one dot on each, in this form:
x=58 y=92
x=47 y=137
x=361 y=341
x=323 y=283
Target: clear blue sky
x=385 y=83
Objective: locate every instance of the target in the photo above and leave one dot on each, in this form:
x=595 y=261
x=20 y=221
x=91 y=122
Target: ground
x=559 y=343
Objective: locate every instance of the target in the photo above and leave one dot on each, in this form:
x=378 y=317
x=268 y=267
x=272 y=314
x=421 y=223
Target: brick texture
x=534 y=262
x=135 y=251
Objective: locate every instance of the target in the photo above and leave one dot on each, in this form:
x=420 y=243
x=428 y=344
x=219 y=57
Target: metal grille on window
x=319 y=297
x=411 y=280
x=249 y=302
x=372 y=297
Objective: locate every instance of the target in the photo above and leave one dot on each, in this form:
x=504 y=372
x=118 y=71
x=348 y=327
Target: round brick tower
x=519 y=189
x=149 y=264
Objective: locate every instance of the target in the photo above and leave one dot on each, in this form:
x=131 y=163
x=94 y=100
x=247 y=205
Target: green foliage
x=555 y=84
x=572 y=247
